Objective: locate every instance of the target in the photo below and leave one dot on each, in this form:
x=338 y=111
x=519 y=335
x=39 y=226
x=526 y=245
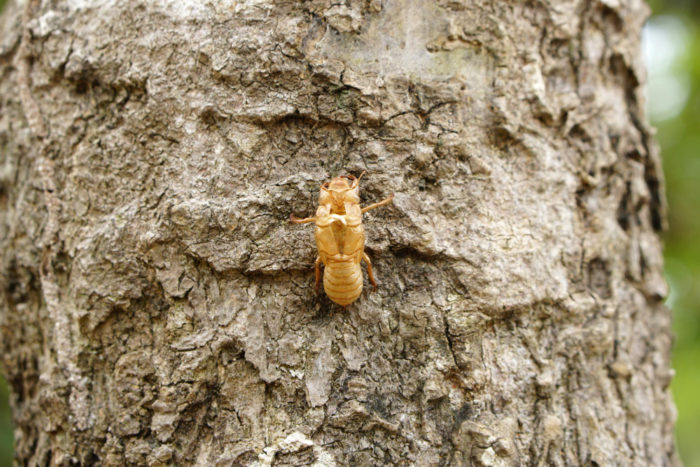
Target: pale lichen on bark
x=159 y=309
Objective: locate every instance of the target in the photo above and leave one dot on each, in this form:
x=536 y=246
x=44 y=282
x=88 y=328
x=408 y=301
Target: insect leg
x=317 y=266
x=369 y=269
x=379 y=204
x=296 y=220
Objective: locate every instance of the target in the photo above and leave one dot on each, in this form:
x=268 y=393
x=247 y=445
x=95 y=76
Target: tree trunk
x=158 y=308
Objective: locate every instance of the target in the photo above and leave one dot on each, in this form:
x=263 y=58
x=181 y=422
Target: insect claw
x=295 y=220
x=340 y=218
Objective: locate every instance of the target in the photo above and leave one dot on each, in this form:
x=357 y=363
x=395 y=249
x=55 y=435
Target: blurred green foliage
x=679 y=137
x=6 y=438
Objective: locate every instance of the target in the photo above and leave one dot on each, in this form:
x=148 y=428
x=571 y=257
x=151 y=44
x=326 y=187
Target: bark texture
x=158 y=308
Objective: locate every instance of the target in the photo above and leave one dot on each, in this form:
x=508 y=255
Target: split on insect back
x=340 y=238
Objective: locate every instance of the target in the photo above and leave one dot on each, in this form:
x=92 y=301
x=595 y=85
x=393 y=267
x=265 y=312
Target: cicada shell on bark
x=340 y=238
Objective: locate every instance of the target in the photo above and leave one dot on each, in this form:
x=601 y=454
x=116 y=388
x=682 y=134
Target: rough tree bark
x=158 y=308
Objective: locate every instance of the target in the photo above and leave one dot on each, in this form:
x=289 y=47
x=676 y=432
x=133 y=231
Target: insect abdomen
x=342 y=281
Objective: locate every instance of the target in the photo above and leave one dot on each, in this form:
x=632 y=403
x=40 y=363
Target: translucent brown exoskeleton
x=340 y=238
